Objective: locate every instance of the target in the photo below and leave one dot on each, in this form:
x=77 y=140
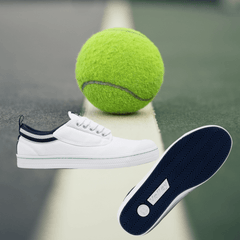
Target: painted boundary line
x=84 y=203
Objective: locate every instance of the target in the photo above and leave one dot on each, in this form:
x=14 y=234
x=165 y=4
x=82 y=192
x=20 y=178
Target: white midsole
x=86 y=163
x=180 y=196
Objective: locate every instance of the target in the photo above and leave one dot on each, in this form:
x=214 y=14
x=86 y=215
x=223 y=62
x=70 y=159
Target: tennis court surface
x=39 y=42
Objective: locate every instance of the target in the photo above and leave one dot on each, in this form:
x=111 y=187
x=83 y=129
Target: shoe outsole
x=186 y=164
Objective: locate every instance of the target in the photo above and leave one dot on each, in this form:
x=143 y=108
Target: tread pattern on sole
x=188 y=163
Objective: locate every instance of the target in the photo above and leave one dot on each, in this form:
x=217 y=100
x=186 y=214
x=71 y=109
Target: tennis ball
x=119 y=70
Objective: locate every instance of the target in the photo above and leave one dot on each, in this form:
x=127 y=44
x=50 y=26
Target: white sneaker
x=80 y=143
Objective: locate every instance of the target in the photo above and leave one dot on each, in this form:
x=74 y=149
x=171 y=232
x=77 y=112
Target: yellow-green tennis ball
x=119 y=70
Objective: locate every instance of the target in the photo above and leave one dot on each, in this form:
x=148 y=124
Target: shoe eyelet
x=103 y=135
x=77 y=124
x=84 y=126
x=97 y=132
x=90 y=129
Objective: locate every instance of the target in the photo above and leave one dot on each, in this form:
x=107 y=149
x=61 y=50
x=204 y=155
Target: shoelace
x=99 y=129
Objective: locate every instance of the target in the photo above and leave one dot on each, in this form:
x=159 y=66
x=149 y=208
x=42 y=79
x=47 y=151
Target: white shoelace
x=87 y=123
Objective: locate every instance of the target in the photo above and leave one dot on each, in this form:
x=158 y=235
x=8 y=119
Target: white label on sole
x=159 y=192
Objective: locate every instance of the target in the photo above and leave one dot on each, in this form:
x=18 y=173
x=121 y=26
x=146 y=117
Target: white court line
x=84 y=203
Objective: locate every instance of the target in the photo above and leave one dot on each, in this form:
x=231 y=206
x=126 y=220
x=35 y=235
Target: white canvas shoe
x=80 y=143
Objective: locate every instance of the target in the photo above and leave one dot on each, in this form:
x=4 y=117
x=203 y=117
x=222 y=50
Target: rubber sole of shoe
x=186 y=164
x=55 y=162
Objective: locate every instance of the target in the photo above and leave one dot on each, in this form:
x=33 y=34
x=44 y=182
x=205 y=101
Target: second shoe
x=186 y=164
x=80 y=143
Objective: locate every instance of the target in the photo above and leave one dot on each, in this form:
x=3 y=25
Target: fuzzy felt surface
x=127 y=65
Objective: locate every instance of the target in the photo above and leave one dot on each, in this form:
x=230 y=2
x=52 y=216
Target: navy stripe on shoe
x=38 y=140
x=35 y=135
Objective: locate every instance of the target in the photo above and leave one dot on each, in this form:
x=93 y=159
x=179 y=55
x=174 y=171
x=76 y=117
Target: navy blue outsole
x=189 y=162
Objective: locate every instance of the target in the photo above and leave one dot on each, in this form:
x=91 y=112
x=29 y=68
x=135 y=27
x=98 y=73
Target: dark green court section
x=39 y=43
x=201 y=50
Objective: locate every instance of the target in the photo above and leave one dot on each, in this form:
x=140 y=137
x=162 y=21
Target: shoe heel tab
x=20 y=120
x=20 y=123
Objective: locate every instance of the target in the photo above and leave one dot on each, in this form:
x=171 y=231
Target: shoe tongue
x=73 y=116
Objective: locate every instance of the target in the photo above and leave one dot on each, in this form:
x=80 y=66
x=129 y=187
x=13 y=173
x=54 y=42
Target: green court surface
x=200 y=46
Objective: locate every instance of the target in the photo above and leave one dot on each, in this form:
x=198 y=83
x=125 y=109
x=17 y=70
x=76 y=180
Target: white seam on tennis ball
x=115 y=86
